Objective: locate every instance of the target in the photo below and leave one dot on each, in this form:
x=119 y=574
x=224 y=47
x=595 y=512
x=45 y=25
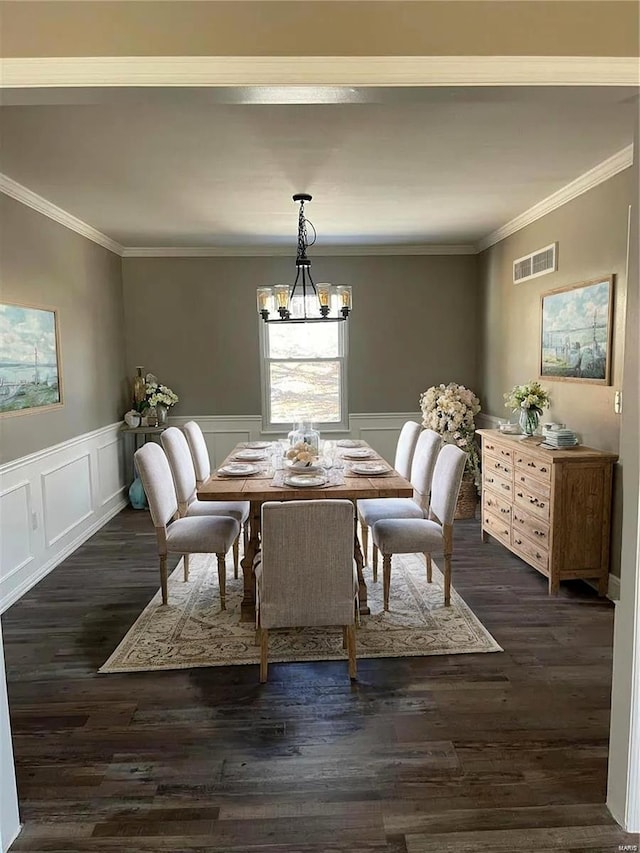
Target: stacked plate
x=560 y=438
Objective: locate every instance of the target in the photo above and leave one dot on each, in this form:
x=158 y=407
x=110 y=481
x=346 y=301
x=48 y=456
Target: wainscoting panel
x=73 y=480
x=15 y=513
x=52 y=501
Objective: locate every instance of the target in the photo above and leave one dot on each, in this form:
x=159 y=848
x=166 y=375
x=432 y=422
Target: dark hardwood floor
x=496 y=752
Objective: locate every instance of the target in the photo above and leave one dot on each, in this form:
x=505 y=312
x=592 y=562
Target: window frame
x=268 y=426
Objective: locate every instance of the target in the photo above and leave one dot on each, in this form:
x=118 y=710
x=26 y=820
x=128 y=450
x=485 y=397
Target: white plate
x=370 y=469
x=302 y=480
x=259 y=445
x=348 y=442
x=254 y=455
x=238 y=469
x=362 y=453
x=303 y=469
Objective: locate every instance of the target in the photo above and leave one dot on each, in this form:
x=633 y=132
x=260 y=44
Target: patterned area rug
x=192 y=630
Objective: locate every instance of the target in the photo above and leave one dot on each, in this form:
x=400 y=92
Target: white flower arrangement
x=159 y=395
x=450 y=410
x=530 y=396
x=302 y=454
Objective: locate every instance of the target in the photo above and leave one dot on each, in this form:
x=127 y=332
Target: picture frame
x=576 y=332
x=30 y=362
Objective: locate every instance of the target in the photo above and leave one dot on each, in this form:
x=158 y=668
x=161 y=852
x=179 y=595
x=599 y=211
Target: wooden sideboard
x=552 y=508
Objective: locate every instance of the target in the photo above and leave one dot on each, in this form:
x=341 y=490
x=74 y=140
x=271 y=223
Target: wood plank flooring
x=496 y=752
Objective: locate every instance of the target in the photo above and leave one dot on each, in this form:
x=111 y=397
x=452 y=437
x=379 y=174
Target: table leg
x=362 y=587
x=248 y=606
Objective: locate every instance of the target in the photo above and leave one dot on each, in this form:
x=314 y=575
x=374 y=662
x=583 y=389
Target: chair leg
x=222 y=581
x=375 y=563
x=427 y=559
x=245 y=536
x=350 y=631
x=365 y=541
x=163 y=580
x=185 y=566
x=236 y=555
x=386 y=579
x=256 y=640
x=447 y=580
x=264 y=654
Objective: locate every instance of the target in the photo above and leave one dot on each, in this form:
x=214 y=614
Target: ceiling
x=393 y=167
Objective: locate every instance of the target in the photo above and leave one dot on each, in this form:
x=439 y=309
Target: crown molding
x=600 y=173
x=285 y=251
x=26 y=196
x=28 y=72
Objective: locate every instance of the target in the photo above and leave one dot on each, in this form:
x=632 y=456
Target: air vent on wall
x=537 y=263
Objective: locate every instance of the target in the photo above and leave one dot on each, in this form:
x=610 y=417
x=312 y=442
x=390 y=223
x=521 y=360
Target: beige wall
x=592 y=235
x=232 y=28
x=45 y=264
x=193 y=322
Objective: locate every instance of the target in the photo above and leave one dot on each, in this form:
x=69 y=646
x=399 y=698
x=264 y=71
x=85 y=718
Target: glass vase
x=528 y=420
x=162 y=413
x=305 y=432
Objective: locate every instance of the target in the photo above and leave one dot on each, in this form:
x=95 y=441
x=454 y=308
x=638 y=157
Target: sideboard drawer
x=532 y=502
x=530 y=551
x=498 y=449
x=498 y=527
x=538 y=486
x=498 y=465
x=535 y=528
x=529 y=464
x=499 y=506
x=501 y=485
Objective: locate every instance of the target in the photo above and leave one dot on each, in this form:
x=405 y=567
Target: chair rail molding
x=52 y=501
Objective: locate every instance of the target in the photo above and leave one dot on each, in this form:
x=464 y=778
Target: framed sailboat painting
x=576 y=330
x=30 y=370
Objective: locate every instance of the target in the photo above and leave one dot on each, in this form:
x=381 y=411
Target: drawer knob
x=504 y=511
x=518 y=541
x=543 y=469
x=539 y=556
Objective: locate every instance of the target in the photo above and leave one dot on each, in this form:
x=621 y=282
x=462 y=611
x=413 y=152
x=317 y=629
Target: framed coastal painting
x=30 y=372
x=575 y=336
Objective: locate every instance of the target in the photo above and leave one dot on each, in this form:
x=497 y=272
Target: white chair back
x=422 y=468
x=307 y=564
x=405 y=448
x=175 y=446
x=447 y=478
x=157 y=480
x=199 y=452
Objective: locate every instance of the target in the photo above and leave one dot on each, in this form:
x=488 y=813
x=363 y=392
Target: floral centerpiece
x=528 y=400
x=450 y=410
x=157 y=398
x=302 y=454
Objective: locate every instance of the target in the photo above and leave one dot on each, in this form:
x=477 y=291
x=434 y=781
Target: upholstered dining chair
x=371 y=510
x=306 y=575
x=176 y=446
x=405 y=448
x=425 y=535
x=194 y=535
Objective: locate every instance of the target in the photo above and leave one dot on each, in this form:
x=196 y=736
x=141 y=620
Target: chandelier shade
x=304 y=301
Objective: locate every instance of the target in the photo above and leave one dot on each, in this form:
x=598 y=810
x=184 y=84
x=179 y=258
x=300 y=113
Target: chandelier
x=304 y=301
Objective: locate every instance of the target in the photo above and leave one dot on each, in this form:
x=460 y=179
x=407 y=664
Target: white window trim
x=334 y=426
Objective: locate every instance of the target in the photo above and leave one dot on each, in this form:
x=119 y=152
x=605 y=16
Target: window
x=304 y=374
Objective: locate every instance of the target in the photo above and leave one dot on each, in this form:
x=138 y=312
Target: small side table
x=140 y=436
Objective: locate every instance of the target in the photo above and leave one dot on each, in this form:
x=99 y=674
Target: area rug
x=192 y=631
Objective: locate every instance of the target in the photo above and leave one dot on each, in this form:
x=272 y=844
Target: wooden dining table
x=267 y=484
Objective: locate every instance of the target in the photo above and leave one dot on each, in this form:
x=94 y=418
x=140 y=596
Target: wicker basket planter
x=467 y=499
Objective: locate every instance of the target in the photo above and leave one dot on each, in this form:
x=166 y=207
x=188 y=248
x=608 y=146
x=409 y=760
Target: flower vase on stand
x=528 y=420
